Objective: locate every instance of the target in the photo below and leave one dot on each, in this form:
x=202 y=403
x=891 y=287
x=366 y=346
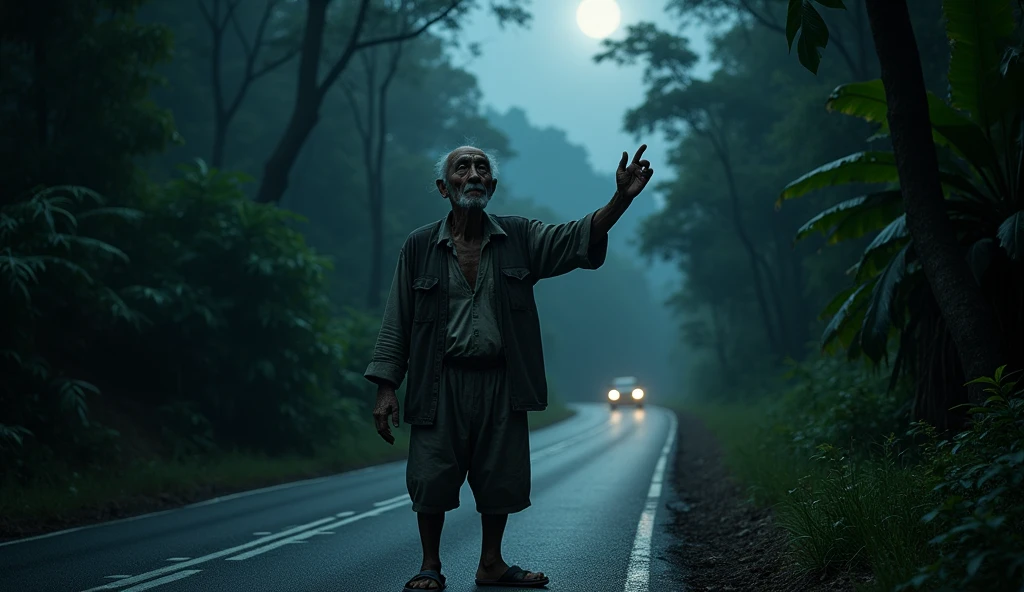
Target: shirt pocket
x=424 y=289
x=519 y=284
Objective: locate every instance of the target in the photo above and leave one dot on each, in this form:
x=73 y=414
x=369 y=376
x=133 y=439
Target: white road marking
x=177 y=559
x=224 y=498
x=638 y=574
x=310 y=533
x=261 y=533
x=164 y=580
x=397 y=498
x=215 y=555
x=344 y=514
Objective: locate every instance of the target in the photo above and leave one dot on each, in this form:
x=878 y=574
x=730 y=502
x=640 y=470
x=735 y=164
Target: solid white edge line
x=164 y=580
x=638 y=574
x=386 y=502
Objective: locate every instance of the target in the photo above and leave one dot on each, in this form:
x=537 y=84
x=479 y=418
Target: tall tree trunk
x=306 y=110
x=748 y=245
x=961 y=301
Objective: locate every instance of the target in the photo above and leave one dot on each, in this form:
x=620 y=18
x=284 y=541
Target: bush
x=980 y=473
x=202 y=323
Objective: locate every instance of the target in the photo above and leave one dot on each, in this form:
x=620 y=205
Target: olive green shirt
x=473 y=331
x=472 y=323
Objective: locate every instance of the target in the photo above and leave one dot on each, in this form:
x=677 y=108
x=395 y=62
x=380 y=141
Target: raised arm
x=583 y=244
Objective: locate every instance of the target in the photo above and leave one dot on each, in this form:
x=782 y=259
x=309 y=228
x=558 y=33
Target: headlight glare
x=638 y=394
x=613 y=395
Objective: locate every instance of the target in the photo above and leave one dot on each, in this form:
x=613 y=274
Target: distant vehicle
x=626 y=390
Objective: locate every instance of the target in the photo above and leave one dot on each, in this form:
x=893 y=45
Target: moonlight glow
x=598 y=18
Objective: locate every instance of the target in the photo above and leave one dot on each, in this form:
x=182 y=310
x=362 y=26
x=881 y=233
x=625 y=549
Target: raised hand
x=386 y=408
x=631 y=180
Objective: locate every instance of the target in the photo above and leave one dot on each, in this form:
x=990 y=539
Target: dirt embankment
x=724 y=542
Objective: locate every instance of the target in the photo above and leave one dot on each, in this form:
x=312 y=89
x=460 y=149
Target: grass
x=162 y=482
x=842 y=513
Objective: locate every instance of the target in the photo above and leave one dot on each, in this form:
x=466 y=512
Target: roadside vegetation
x=167 y=337
x=891 y=448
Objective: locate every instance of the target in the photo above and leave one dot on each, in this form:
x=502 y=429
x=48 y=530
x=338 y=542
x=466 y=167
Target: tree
x=676 y=103
x=312 y=90
x=372 y=126
x=218 y=15
x=977 y=31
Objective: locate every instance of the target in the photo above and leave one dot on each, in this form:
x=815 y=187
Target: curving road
x=596 y=525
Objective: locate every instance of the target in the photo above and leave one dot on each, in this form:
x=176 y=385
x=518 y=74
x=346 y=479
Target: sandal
x=515 y=577
x=427 y=574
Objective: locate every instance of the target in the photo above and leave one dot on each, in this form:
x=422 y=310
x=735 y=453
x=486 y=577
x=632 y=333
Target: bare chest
x=468 y=255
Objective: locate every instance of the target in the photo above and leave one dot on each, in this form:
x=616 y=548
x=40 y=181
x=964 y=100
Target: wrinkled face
x=470 y=183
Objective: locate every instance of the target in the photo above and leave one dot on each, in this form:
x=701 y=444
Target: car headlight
x=638 y=394
x=613 y=395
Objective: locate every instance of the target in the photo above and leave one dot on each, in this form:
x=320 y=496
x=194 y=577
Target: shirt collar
x=491 y=228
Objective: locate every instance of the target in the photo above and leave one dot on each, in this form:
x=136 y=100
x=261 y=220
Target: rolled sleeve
x=390 y=360
x=560 y=248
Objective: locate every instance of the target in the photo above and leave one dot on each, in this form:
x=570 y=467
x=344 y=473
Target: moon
x=598 y=18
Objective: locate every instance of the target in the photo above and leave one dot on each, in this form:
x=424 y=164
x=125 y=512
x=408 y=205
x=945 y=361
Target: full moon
x=598 y=18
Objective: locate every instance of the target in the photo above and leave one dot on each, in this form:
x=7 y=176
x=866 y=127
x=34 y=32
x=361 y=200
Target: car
x=626 y=390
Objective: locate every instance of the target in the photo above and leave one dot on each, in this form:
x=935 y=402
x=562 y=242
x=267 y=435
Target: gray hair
x=441 y=164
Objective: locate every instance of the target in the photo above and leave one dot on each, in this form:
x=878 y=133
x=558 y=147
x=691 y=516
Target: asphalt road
x=601 y=481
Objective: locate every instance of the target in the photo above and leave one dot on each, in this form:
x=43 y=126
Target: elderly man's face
x=470 y=183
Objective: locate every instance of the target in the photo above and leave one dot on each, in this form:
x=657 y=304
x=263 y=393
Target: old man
x=461 y=322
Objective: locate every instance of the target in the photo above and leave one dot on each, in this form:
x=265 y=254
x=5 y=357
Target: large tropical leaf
x=979 y=256
x=977 y=30
x=1011 y=235
x=868 y=167
x=882 y=249
x=879 y=316
x=845 y=324
x=854 y=217
x=950 y=127
x=860 y=167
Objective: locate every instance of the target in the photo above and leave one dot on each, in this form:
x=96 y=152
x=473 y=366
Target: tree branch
x=354 y=45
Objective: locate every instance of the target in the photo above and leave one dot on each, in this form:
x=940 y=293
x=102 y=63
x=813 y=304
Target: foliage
x=75 y=88
x=980 y=141
x=51 y=261
x=980 y=474
x=240 y=327
x=862 y=491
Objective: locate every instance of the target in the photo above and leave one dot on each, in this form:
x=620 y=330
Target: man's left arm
x=583 y=244
x=556 y=249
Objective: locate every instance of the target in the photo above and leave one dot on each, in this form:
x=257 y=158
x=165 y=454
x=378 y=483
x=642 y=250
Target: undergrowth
x=860 y=489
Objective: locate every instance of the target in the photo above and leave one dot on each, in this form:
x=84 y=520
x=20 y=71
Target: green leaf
x=878 y=319
x=846 y=322
x=793 y=21
x=860 y=167
x=1010 y=235
x=950 y=127
x=837 y=301
x=976 y=30
x=882 y=249
x=854 y=217
x=813 y=37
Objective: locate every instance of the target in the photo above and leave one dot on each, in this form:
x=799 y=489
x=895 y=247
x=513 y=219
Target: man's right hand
x=386 y=408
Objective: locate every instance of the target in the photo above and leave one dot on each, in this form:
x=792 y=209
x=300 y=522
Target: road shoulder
x=722 y=542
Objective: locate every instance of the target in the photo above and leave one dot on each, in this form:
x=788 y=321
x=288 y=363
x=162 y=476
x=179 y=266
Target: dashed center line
x=164 y=580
